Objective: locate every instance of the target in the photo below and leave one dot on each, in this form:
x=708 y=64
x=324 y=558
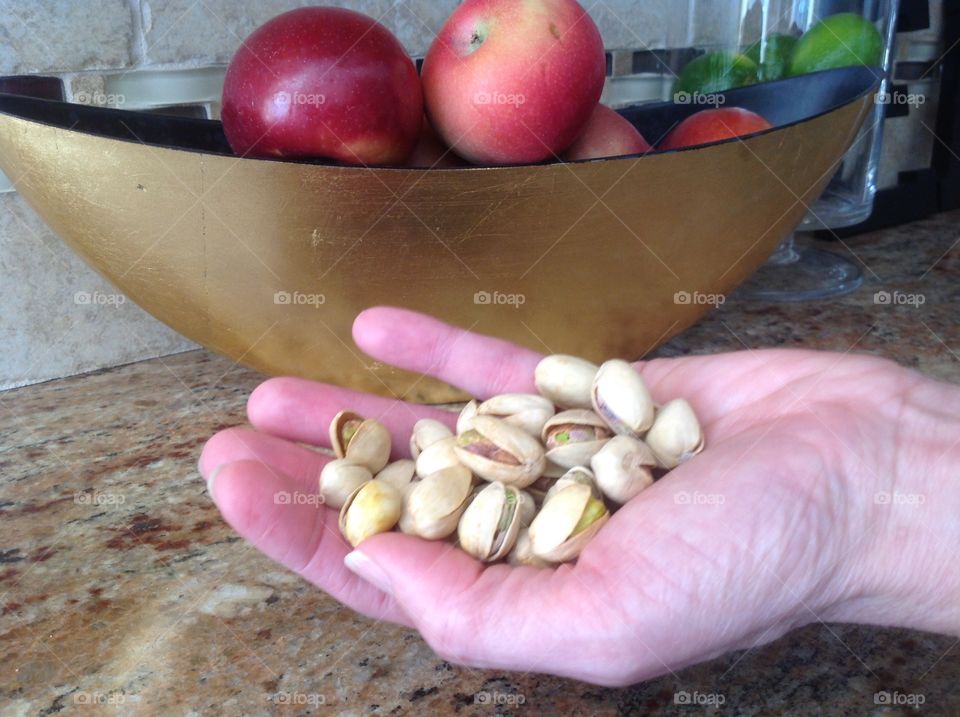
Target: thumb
x=485 y=616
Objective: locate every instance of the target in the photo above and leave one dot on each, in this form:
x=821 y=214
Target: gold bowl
x=268 y=262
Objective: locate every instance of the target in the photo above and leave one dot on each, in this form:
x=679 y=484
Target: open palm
x=771 y=527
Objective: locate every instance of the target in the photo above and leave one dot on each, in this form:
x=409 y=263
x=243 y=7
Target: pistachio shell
x=524 y=410
x=373 y=508
x=565 y=380
x=577 y=475
x=437 y=456
x=489 y=525
x=675 y=436
x=399 y=473
x=583 y=434
x=364 y=441
x=522 y=553
x=514 y=456
x=526 y=508
x=553 y=533
x=621 y=398
x=426 y=432
x=433 y=507
x=623 y=468
x=338 y=479
x=466 y=414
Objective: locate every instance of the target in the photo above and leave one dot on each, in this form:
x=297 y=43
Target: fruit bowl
x=269 y=261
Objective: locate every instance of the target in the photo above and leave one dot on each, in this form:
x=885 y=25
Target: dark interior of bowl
x=782 y=103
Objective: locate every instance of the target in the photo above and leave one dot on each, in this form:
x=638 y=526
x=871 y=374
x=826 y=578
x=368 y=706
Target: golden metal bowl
x=268 y=262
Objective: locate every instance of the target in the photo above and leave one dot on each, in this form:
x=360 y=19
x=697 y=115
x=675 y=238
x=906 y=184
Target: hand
x=776 y=524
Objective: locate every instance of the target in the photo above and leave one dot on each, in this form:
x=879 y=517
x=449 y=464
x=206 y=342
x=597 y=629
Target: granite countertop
x=122 y=590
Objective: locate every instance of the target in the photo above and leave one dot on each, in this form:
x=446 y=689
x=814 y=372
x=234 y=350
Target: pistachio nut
x=524 y=410
x=437 y=456
x=621 y=398
x=577 y=475
x=466 y=413
x=364 y=441
x=373 y=508
x=426 y=432
x=339 y=478
x=565 y=380
x=623 y=468
x=572 y=437
x=522 y=553
x=498 y=451
x=566 y=523
x=433 y=506
x=399 y=473
x=676 y=435
x=489 y=525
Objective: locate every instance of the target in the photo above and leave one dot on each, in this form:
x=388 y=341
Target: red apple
x=431 y=152
x=323 y=82
x=608 y=134
x=713 y=126
x=514 y=81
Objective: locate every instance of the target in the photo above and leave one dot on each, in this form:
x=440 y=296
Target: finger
x=301 y=464
x=299 y=534
x=490 y=617
x=480 y=365
x=301 y=410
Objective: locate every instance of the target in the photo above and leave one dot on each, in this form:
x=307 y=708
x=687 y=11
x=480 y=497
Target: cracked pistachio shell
x=498 y=451
x=623 y=468
x=526 y=508
x=426 y=432
x=399 y=473
x=565 y=380
x=572 y=437
x=522 y=553
x=466 y=415
x=362 y=440
x=338 y=479
x=489 y=525
x=373 y=508
x=675 y=436
x=437 y=456
x=621 y=398
x=524 y=410
x=566 y=523
x=578 y=475
x=433 y=507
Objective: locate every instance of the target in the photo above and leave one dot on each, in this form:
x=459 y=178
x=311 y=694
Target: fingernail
x=363 y=566
x=213 y=477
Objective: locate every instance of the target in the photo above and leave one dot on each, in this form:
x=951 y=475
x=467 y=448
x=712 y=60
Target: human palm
x=771 y=527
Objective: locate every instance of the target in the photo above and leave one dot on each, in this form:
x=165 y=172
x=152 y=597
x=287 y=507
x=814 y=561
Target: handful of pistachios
x=528 y=478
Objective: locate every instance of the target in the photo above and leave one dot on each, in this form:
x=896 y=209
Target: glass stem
x=786 y=253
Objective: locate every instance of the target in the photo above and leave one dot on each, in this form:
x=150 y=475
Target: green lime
x=837 y=41
x=777 y=50
x=716 y=72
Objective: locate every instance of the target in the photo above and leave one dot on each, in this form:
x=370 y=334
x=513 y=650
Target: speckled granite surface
x=122 y=592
